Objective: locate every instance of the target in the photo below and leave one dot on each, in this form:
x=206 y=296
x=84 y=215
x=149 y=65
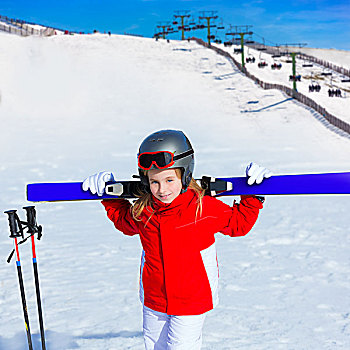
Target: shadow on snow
x=59 y=341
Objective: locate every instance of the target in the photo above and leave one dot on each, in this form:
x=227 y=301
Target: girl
x=176 y=224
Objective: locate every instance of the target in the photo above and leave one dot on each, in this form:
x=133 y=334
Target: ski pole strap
x=39 y=232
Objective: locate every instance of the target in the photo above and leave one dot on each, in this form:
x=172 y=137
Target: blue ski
x=328 y=183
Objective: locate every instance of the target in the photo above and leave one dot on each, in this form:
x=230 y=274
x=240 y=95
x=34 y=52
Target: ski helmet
x=166 y=149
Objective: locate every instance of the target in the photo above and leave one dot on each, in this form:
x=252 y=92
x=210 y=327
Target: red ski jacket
x=179 y=270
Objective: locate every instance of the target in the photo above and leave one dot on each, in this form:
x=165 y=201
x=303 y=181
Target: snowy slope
x=340 y=58
x=71 y=106
x=338 y=106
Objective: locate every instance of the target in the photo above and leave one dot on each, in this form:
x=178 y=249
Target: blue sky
x=319 y=23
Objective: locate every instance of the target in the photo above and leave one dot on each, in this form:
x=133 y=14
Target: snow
x=338 y=106
x=340 y=58
x=74 y=105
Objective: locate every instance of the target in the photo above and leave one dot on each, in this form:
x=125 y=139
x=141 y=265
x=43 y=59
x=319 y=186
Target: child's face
x=164 y=184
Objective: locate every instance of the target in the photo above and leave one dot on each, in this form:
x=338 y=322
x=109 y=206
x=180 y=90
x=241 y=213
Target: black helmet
x=166 y=149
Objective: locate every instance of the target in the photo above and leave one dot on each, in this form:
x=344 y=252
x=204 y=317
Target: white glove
x=96 y=183
x=256 y=173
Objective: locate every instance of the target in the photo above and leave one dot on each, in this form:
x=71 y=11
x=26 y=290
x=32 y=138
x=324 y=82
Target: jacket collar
x=176 y=204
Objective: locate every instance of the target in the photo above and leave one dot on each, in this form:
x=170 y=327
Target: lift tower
x=166 y=27
x=182 y=15
x=241 y=31
x=208 y=16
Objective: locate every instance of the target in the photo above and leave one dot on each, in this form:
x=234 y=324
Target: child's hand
x=256 y=174
x=96 y=183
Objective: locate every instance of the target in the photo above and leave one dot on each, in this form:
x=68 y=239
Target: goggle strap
x=183 y=155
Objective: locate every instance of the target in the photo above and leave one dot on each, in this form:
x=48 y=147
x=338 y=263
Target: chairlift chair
x=276 y=66
x=250 y=58
x=305 y=64
x=261 y=64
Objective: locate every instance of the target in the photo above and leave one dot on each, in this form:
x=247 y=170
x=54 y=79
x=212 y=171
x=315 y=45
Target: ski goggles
x=161 y=159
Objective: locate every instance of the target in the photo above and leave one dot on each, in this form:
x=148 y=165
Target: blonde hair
x=145 y=199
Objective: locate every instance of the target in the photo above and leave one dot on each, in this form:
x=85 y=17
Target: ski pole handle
x=14 y=223
x=31 y=218
x=33 y=226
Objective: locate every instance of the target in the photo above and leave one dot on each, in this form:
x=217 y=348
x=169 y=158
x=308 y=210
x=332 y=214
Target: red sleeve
x=118 y=211
x=244 y=216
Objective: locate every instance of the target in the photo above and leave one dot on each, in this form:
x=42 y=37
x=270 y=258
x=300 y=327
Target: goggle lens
x=161 y=160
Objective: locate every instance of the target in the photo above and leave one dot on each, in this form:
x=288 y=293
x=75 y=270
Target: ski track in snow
x=71 y=106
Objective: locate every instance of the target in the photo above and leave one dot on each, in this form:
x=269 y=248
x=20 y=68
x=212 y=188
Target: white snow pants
x=166 y=332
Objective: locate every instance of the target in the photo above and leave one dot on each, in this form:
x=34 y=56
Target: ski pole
x=32 y=229
x=15 y=232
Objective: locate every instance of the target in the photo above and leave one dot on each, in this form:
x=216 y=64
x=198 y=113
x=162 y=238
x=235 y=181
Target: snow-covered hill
x=73 y=105
x=311 y=74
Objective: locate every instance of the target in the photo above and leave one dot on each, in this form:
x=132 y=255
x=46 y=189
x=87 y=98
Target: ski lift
x=228 y=43
x=237 y=50
x=276 y=63
x=262 y=64
x=192 y=22
x=221 y=25
x=305 y=64
x=295 y=77
x=175 y=23
x=262 y=48
x=250 y=58
x=276 y=66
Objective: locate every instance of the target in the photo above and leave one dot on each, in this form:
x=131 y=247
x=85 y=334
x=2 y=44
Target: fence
x=326 y=64
x=290 y=92
x=19 y=27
